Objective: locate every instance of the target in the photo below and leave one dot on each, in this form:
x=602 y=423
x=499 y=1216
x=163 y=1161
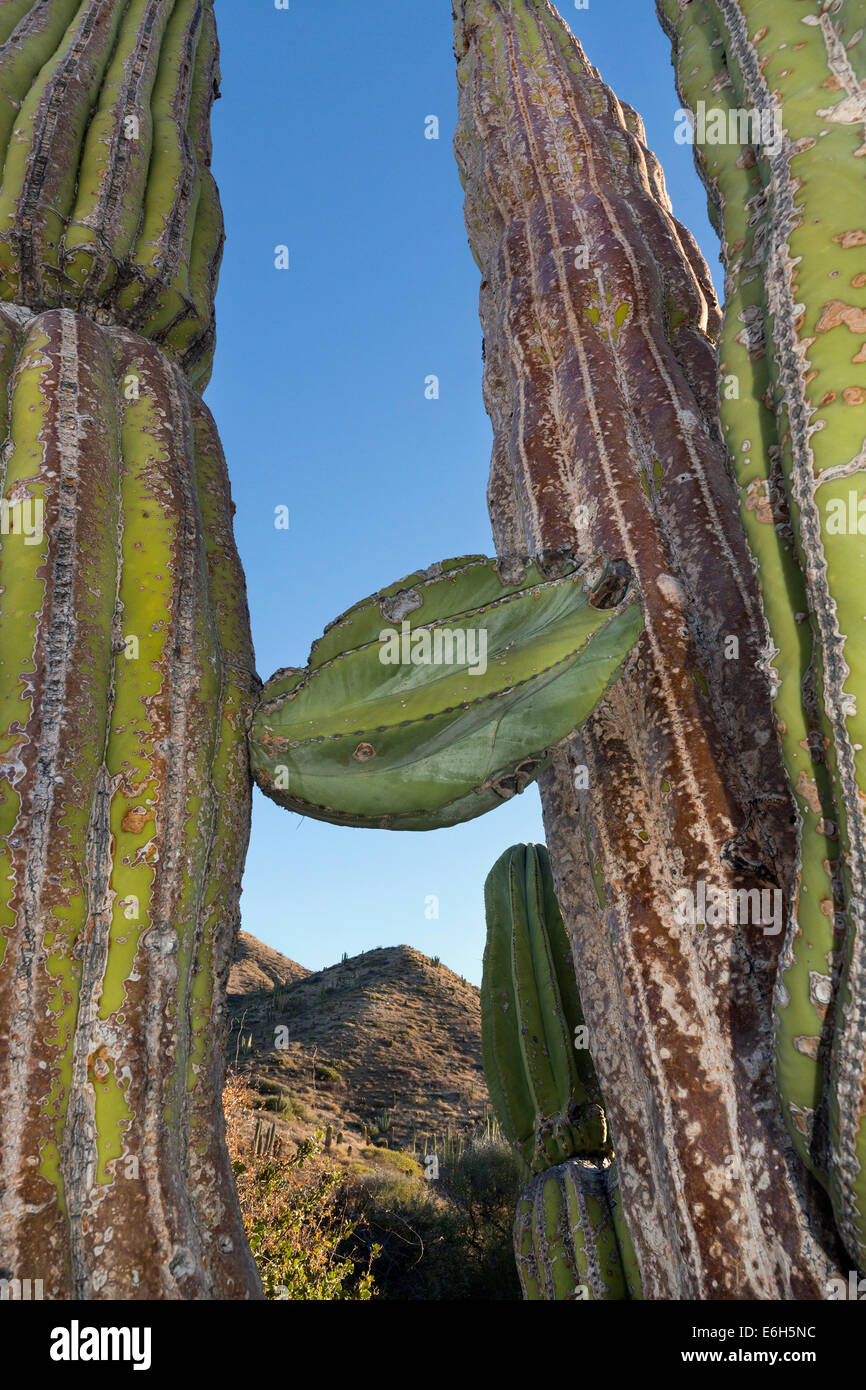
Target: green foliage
x=443 y=1239
x=297 y=1215
x=395 y=1158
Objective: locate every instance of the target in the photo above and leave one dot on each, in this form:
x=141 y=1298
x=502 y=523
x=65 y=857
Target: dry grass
x=297 y=1212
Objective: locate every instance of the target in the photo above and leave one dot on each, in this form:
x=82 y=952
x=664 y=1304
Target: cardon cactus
x=128 y=685
x=565 y=1235
x=107 y=202
x=600 y=379
x=441 y=696
x=786 y=191
x=570 y=1238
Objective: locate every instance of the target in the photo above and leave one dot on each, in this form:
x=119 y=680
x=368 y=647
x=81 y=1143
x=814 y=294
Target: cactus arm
x=407 y=746
x=569 y=1223
x=564 y=1240
x=752 y=437
x=122 y=889
x=808 y=302
x=128 y=674
x=125 y=225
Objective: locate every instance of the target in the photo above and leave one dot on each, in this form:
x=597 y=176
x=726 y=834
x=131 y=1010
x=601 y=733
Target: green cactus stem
x=439 y=697
x=788 y=209
x=125 y=688
x=541 y=1080
x=107 y=202
x=544 y=1090
x=566 y=1238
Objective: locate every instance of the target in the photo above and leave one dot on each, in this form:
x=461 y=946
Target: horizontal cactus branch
x=600 y=378
x=126 y=684
x=441 y=696
x=107 y=202
x=789 y=211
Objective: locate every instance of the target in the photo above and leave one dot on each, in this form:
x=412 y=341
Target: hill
x=385 y=1048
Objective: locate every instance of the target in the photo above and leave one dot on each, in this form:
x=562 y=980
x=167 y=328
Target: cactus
x=510 y=656
x=541 y=1082
x=107 y=202
x=600 y=378
x=124 y=808
x=785 y=202
x=128 y=685
x=545 y=1092
x=565 y=1239
x=265 y=1140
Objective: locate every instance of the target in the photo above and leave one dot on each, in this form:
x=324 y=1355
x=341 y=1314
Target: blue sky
x=318 y=392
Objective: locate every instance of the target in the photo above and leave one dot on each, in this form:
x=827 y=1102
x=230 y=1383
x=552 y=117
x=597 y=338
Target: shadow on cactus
x=570 y=1237
x=437 y=698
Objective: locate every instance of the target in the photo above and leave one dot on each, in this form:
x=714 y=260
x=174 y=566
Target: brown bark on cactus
x=600 y=381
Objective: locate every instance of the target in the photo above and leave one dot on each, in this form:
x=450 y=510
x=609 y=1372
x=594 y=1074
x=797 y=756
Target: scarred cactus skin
x=402 y=746
x=566 y=1235
x=789 y=213
x=107 y=202
x=600 y=379
x=570 y=1237
x=126 y=684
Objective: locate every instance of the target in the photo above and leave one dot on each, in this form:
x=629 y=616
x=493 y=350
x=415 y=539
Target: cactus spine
x=786 y=207
x=567 y=1240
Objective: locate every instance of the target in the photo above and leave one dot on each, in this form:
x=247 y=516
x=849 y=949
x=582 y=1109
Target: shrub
x=297 y=1215
x=446 y=1239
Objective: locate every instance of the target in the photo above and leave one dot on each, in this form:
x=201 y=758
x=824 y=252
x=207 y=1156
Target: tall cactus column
x=789 y=207
x=126 y=669
x=600 y=380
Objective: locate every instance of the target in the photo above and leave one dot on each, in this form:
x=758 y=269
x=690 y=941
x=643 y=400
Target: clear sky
x=318 y=392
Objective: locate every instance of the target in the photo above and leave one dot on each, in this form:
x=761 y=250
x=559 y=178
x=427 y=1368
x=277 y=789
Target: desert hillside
x=385 y=1048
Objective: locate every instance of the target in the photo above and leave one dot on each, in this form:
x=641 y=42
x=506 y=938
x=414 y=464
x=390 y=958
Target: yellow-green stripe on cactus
x=107 y=203
x=570 y=1238
x=791 y=215
x=126 y=685
x=439 y=697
